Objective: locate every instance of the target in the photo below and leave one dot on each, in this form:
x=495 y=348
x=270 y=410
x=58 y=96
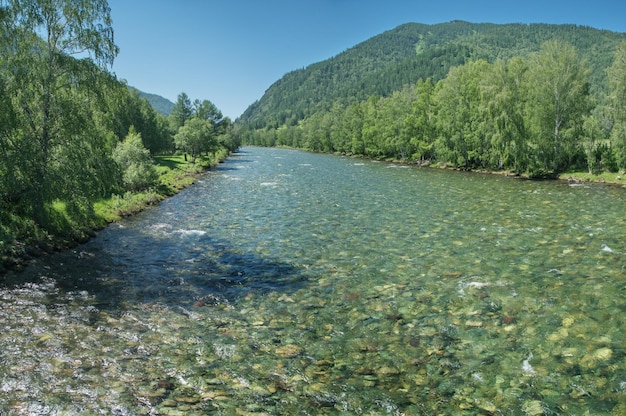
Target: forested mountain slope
x=160 y=104
x=387 y=62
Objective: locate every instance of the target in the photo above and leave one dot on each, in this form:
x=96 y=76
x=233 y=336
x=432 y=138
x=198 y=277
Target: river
x=285 y=282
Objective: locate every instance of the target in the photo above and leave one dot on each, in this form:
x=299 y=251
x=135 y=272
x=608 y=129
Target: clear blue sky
x=231 y=51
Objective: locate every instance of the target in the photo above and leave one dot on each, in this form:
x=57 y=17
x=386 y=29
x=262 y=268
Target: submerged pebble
x=532 y=408
x=288 y=351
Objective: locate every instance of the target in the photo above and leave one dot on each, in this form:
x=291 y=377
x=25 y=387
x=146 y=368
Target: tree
x=593 y=132
x=124 y=107
x=135 y=162
x=206 y=110
x=370 y=131
x=195 y=137
x=181 y=112
x=58 y=151
x=559 y=99
x=463 y=135
x=420 y=124
x=354 y=127
x=395 y=139
x=339 y=133
x=616 y=75
x=230 y=139
x=504 y=96
x=8 y=172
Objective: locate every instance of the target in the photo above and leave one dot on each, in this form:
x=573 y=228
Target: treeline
x=71 y=133
x=533 y=115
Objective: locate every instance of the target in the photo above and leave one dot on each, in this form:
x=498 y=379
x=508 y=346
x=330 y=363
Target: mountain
x=387 y=62
x=160 y=104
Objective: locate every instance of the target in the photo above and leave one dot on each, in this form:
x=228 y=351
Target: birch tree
x=56 y=53
x=616 y=74
x=558 y=84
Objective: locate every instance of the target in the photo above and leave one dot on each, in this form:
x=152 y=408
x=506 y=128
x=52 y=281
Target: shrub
x=134 y=160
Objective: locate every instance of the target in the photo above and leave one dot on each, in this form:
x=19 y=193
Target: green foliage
x=120 y=206
x=8 y=177
x=200 y=127
x=125 y=108
x=419 y=124
x=135 y=162
x=528 y=115
x=504 y=101
x=181 y=112
x=228 y=138
x=57 y=151
x=206 y=110
x=161 y=105
x=558 y=85
x=195 y=137
x=402 y=56
x=531 y=99
x=463 y=134
x=616 y=103
x=63 y=118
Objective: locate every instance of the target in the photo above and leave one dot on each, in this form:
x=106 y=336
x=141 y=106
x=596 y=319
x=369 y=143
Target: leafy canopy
x=56 y=150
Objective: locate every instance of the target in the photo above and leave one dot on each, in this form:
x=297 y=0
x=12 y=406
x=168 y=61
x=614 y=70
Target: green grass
x=175 y=174
x=119 y=206
x=604 y=177
x=165 y=163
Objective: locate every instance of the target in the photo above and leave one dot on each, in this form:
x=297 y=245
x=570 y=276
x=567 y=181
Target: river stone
x=487 y=407
x=214 y=381
x=288 y=351
x=243 y=412
x=387 y=372
x=188 y=400
x=169 y=403
x=212 y=395
x=603 y=354
x=532 y=408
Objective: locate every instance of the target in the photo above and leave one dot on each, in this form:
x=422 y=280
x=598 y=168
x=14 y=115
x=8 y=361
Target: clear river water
x=287 y=283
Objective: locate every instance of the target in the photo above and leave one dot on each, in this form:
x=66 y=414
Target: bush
x=134 y=160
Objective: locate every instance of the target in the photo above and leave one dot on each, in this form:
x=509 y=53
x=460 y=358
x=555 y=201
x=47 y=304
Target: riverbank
x=613 y=178
x=21 y=239
x=584 y=177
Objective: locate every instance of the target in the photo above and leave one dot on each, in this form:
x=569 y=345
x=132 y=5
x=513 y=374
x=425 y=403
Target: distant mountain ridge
x=160 y=104
x=387 y=62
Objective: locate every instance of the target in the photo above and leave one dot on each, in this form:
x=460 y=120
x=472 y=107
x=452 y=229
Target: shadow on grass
x=171 y=162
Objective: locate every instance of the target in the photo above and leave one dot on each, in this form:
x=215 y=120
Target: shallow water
x=293 y=283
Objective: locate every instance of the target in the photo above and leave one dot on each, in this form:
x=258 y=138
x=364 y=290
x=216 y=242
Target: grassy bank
x=604 y=177
x=614 y=178
x=21 y=239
